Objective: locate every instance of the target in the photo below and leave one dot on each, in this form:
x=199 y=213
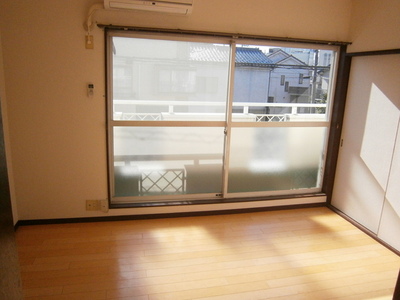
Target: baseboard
x=363 y=229
x=164 y=215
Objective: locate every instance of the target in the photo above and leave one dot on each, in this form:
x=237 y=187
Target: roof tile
x=221 y=53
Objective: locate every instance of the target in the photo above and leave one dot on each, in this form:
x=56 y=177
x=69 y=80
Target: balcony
x=156 y=110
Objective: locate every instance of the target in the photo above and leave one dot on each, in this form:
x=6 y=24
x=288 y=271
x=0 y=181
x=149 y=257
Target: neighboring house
x=290 y=80
x=252 y=76
x=304 y=75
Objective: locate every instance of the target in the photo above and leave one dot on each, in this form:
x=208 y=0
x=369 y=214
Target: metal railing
x=169 y=109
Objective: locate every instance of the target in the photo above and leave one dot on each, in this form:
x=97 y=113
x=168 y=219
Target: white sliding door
x=389 y=228
x=367 y=178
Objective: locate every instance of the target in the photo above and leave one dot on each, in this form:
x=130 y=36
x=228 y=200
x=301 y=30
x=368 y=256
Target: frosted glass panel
x=270 y=159
x=169 y=80
x=167 y=160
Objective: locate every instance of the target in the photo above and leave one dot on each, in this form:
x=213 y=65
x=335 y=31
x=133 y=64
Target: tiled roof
x=247 y=56
x=281 y=57
x=207 y=53
x=251 y=56
x=278 y=55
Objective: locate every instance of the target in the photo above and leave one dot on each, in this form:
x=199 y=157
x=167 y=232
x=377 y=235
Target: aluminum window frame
x=228 y=124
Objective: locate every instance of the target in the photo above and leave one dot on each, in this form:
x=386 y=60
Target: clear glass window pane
x=169 y=80
x=163 y=161
x=282 y=84
x=271 y=159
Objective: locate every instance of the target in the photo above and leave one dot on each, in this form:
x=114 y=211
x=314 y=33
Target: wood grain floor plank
x=100 y=295
x=290 y=254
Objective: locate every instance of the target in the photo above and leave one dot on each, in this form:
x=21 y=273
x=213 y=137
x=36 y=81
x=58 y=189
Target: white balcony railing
x=128 y=110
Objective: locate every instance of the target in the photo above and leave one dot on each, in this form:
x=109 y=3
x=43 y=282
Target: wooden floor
x=291 y=254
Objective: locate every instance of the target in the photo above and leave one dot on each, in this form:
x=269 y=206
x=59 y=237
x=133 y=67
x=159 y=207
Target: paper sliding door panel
x=356 y=192
x=389 y=228
x=369 y=135
x=379 y=135
x=393 y=189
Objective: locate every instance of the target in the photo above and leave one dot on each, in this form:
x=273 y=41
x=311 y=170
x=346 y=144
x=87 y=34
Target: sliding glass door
x=194 y=118
x=169 y=103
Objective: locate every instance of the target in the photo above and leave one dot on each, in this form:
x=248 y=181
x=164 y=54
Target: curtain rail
x=222 y=34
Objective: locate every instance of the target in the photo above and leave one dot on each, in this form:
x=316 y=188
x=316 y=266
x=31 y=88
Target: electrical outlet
x=92 y=205
x=104 y=205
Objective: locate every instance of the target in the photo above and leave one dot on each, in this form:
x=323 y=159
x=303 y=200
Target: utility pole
x=315 y=74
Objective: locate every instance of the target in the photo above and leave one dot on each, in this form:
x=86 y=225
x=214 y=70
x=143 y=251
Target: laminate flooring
x=309 y=253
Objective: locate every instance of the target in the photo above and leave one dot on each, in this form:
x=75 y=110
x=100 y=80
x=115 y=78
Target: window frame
x=228 y=124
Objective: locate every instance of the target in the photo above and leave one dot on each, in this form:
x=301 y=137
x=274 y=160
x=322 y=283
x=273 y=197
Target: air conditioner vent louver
x=182 y=7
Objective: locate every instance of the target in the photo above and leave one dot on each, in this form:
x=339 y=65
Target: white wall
x=375 y=25
x=56 y=133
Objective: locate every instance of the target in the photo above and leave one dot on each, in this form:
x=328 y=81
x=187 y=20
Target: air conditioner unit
x=182 y=7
